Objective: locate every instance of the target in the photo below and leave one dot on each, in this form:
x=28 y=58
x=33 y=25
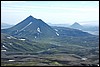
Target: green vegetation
x=60 y=51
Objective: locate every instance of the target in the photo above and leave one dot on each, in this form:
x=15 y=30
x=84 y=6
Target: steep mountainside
x=64 y=31
x=31 y=28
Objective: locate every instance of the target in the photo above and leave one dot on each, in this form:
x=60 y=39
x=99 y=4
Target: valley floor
x=49 y=60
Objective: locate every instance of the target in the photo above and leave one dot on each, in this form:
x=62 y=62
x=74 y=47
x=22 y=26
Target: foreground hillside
x=68 y=51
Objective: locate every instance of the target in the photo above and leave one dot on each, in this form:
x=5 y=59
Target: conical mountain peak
x=76 y=26
x=76 y=23
x=31 y=16
x=29 y=19
x=32 y=28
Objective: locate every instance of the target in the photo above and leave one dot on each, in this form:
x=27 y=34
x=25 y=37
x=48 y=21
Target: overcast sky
x=55 y=12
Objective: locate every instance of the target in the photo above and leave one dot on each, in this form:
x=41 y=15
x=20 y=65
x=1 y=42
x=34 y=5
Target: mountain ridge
x=31 y=28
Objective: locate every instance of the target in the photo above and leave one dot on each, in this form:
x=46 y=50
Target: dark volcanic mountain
x=31 y=28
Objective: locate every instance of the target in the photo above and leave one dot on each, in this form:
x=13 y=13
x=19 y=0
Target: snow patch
x=4 y=47
x=48 y=49
x=22 y=39
x=10 y=43
x=84 y=58
x=11 y=37
x=35 y=36
x=19 y=33
x=57 y=34
x=3 y=50
x=11 y=60
x=85 y=41
x=14 y=38
x=56 y=30
x=41 y=51
x=38 y=29
x=26 y=26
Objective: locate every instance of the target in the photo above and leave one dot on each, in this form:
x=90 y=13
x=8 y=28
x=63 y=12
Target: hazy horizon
x=54 y=12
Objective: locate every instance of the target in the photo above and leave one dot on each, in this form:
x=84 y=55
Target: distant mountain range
x=59 y=25
x=33 y=28
x=5 y=25
x=87 y=28
x=91 y=29
x=30 y=33
x=66 y=31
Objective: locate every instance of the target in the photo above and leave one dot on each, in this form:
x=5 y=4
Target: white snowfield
x=4 y=47
x=10 y=37
x=11 y=60
x=38 y=29
x=10 y=43
x=84 y=58
x=3 y=50
x=26 y=26
x=22 y=39
x=35 y=36
x=56 y=30
x=57 y=34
